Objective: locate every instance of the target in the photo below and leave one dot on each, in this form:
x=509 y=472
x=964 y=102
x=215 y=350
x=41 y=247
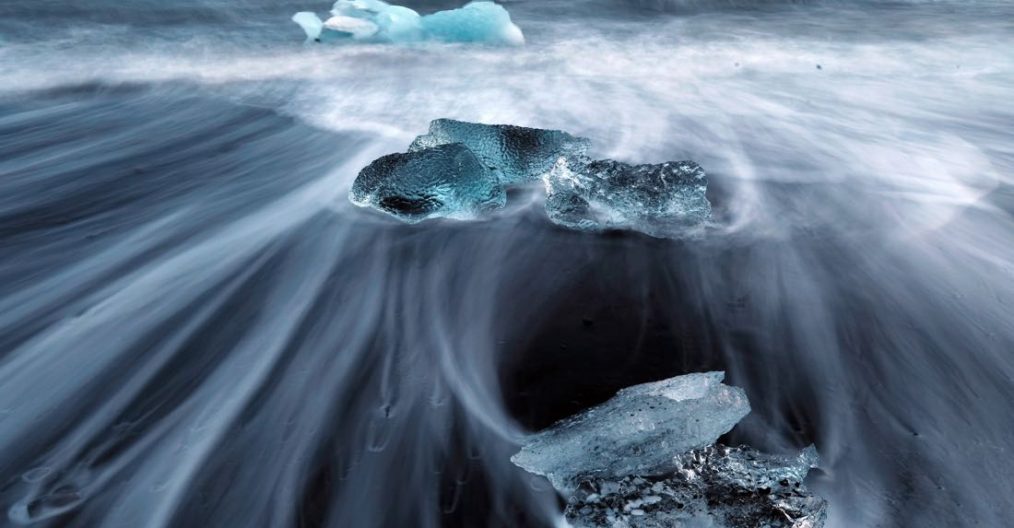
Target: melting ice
x=663 y=200
x=377 y=21
x=717 y=487
x=445 y=180
x=647 y=458
x=515 y=154
x=637 y=432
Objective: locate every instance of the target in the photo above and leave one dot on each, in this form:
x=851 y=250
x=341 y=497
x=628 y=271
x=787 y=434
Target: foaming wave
x=198 y=329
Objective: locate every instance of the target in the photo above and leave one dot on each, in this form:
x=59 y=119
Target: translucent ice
x=446 y=180
x=377 y=21
x=663 y=200
x=392 y=23
x=647 y=459
x=717 y=486
x=311 y=23
x=516 y=154
x=637 y=432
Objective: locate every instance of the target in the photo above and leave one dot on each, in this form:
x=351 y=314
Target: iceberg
x=664 y=200
x=377 y=21
x=648 y=458
x=443 y=181
x=515 y=154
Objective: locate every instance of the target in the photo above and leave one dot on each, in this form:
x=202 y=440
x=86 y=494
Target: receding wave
x=197 y=328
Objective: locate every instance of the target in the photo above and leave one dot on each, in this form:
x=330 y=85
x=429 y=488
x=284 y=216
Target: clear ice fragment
x=515 y=154
x=393 y=23
x=351 y=27
x=666 y=200
x=717 y=486
x=311 y=23
x=443 y=181
x=378 y=21
x=647 y=459
x=639 y=431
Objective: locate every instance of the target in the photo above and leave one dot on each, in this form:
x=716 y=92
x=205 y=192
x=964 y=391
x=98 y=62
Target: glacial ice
x=475 y=22
x=516 y=154
x=446 y=180
x=647 y=458
x=665 y=200
x=637 y=431
x=311 y=23
x=480 y=21
x=662 y=200
x=717 y=486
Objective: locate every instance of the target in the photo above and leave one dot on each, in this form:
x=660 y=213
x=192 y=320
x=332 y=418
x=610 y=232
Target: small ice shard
x=377 y=21
x=351 y=26
x=637 y=432
x=516 y=154
x=311 y=24
x=665 y=200
x=717 y=486
x=391 y=23
x=446 y=180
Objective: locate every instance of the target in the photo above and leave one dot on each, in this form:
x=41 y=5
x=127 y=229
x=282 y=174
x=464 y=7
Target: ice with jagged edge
x=647 y=458
x=636 y=432
x=377 y=21
x=443 y=181
x=515 y=154
x=717 y=486
x=665 y=200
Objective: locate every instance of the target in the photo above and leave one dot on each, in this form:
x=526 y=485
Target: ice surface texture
x=447 y=180
x=666 y=200
x=662 y=200
x=377 y=21
x=717 y=486
x=647 y=458
x=515 y=154
x=636 y=432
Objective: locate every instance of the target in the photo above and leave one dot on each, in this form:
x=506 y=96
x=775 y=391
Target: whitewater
x=197 y=328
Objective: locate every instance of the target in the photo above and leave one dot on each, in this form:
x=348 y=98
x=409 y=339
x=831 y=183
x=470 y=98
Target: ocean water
x=198 y=329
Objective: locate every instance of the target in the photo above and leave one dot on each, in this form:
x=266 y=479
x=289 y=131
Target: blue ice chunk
x=378 y=21
x=637 y=432
x=442 y=181
x=667 y=200
x=515 y=154
x=647 y=458
x=476 y=22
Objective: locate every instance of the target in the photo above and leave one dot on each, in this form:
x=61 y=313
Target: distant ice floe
x=376 y=21
x=462 y=170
